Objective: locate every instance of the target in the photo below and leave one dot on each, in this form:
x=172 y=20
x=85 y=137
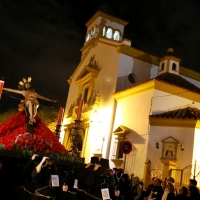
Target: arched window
x=174 y=66
x=132 y=78
x=162 y=67
x=104 y=31
x=88 y=37
x=109 y=33
x=94 y=30
x=85 y=94
x=116 y=35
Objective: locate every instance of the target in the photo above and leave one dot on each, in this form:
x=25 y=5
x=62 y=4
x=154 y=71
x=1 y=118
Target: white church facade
x=129 y=95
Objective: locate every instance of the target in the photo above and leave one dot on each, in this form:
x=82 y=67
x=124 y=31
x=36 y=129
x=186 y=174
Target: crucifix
x=30 y=102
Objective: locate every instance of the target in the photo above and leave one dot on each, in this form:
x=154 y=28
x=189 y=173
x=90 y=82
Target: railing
x=182 y=176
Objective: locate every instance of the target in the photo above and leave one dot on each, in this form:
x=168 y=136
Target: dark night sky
x=42 y=38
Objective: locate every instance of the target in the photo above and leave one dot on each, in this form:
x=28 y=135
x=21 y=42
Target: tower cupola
x=169 y=63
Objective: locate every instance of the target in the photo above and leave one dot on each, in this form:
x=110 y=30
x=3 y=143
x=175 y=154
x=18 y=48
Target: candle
x=60 y=115
x=80 y=106
x=1 y=87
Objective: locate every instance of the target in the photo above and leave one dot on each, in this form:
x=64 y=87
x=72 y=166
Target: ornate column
x=168 y=164
x=147 y=173
x=87 y=126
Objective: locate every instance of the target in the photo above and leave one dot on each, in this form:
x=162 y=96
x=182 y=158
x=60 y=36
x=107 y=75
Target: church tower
x=169 y=63
x=106 y=25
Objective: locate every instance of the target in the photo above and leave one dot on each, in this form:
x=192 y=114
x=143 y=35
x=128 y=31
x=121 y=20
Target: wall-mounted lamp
x=182 y=147
x=157 y=145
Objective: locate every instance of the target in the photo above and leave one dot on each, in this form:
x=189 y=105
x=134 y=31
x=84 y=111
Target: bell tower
x=169 y=63
x=105 y=25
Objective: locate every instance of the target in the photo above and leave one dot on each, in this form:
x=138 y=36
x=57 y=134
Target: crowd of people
x=166 y=190
x=132 y=189
x=43 y=178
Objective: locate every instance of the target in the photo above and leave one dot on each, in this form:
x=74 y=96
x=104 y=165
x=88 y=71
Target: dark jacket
x=157 y=192
x=171 y=196
x=181 y=197
x=148 y=190
x=125 y=188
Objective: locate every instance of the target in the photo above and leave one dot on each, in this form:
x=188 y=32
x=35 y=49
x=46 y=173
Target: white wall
x=195 y=82
x=154 y=71
x=128 y=65
x=125 y=65
x=142 y=70
x=196 y=148
x=183 y=135
x=104 y=84
x=163 y=102
x=133 y=112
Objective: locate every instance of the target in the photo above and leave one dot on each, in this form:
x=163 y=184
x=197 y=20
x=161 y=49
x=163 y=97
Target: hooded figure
x=136 y=189
x=94 y=160
x=104 y=163
x=47 y=181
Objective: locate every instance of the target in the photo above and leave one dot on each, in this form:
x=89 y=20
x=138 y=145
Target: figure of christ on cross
x=30 y=102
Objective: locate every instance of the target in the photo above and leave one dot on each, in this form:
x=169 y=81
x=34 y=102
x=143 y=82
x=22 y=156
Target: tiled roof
x=177 y=80
x=188 y=112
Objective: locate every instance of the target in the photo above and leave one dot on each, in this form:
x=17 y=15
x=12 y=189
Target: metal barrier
x=181 y=176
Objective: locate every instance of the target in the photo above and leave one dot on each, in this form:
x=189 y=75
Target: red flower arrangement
x=14 y=137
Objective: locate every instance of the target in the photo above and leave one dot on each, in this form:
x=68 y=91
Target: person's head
x=53 y=157
x=119 y=172
x=170 y=180
x=49 y=162
x=135 y=180
x=104 y=163
x=27 y=85
x=157 y=182
x=193 y=192
x=170 y=187
x=50 y=166
x=94 y=160
x=125 y=178
x=183 y=191
x=192 y=182
x=114 y=170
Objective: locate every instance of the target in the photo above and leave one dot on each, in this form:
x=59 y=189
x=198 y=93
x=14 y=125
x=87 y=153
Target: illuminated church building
x=129 y=95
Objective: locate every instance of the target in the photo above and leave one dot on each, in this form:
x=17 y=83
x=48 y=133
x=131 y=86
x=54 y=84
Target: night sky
x=42 y=38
